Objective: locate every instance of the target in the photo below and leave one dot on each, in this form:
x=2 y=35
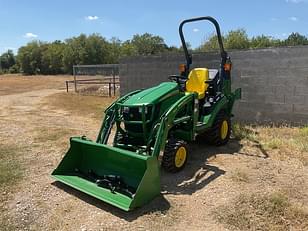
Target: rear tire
x=175 y=156
x=220 y=132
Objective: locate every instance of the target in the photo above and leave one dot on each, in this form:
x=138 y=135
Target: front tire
x=220 y=132
x=175 y=156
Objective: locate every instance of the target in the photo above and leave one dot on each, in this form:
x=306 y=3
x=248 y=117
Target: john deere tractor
x=152 y=128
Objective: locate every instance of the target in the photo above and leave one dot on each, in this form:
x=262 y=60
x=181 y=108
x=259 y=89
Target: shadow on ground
x=197 y=172
x=196 y=175
x=159 y=204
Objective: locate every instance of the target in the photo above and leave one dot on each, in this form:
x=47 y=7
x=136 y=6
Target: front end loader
x=152 y=128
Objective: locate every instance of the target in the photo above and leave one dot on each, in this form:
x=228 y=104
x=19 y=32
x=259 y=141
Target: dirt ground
x=37 y=118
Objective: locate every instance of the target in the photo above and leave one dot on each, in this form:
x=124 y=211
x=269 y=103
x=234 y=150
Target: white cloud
x=274 y=19
x=195 y=30
x=91 y=18
x=294 y=19
x=30 y=35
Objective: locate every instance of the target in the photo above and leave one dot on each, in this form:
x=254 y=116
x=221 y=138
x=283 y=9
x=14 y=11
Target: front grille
x=135 y=113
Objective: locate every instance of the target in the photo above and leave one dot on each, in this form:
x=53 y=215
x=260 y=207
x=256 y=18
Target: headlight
x=145 y=110
x=125 y=109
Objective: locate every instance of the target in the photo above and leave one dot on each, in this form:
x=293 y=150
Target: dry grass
x=79 y=104
x=281 y=141
x=240 y=176
x=52 y=134
x=13 y=84
x=58 y=136
x=263 y=212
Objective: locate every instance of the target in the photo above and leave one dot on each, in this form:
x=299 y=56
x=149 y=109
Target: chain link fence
x=102 y=79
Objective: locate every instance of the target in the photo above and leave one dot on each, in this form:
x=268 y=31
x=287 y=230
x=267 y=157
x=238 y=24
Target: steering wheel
x=177 y=78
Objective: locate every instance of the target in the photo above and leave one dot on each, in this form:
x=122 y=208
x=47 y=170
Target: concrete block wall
x=274 y=81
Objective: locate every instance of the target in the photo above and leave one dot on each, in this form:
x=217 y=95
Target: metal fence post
x=75 y=82
x=114 y=84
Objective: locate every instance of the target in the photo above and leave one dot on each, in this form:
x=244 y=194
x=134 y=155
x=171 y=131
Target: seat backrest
x=196 y=81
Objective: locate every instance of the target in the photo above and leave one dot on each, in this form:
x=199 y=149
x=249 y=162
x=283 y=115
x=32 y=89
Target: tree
x=148 y=44
x=114 y=50
x=296 y=39
x=96 y=50
x=7 y=60
x=237 y=39
x=261 y=41
x=174 y=49
x=81 y=50
x=188 y=46
x=52 y=58
x=29 y=58
x=72 y=54
x=128 y=49
x=210 y=44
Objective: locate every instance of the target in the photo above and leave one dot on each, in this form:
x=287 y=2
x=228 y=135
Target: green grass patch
x=241 y=132
x=10 y=175
x=274 y=143
x=304 y=131
x=10 y=169
x=262 y=212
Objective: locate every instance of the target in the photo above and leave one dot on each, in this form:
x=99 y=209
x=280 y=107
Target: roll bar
x=188 y=56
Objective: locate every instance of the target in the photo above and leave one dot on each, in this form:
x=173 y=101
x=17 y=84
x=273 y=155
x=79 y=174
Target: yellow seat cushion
x=196 y=81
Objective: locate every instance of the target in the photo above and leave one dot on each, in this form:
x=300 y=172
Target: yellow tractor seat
x=196 y=81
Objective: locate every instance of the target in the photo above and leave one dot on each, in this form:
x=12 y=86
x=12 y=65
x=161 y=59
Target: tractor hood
x=153 y=95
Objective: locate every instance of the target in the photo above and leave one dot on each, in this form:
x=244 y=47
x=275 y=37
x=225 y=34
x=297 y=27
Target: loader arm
x=109 y=119
x=169 y=120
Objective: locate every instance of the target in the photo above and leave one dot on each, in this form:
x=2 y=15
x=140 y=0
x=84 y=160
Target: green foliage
x=29 y=57
x=7 y=60
x=82 y=50
x=148 y=44
x=128 y=49
x=114 y=50
x=261 y=42
x=237 y=39
x=14 y=69
x=296 y=39
x=59 y=57
x=210 y=44
x=234 y=39
x=52 y=57
x=241 y=132
x=173 y=49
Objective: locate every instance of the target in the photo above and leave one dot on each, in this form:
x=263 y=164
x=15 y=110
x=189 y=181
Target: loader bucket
x=119 y=177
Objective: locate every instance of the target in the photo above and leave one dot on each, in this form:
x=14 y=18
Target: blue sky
x=23 y=21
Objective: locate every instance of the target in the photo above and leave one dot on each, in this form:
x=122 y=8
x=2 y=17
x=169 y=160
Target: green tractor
x=152 y=128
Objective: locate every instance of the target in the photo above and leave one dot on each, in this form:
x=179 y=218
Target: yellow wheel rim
x=224 y=130
x=180 y=157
